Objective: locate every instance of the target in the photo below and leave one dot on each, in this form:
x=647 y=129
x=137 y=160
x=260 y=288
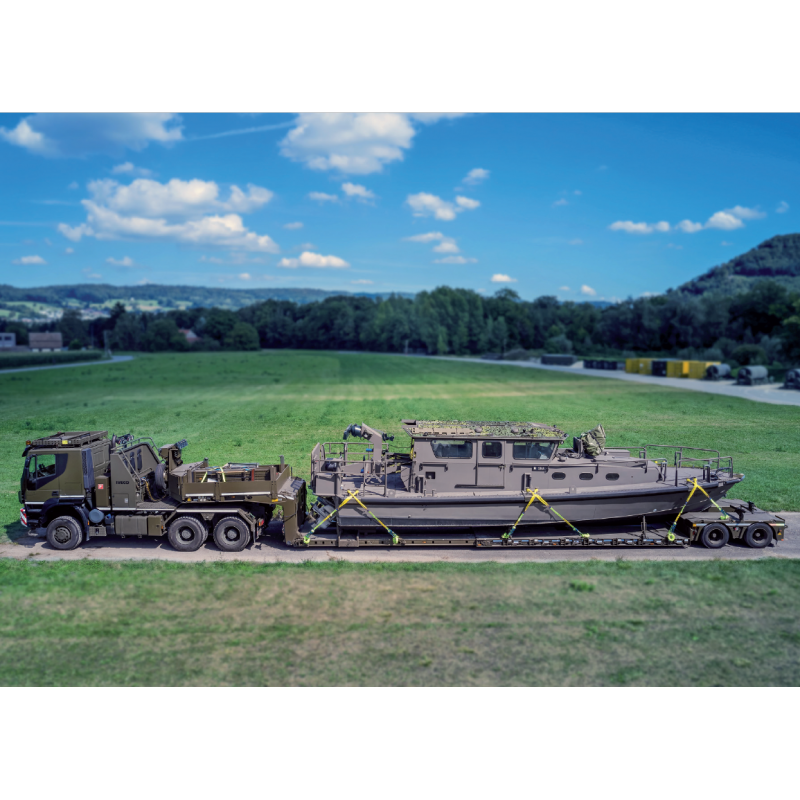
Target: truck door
x=43 y=476
x=491 y=469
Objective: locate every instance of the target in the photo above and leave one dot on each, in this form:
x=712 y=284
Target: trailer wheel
x=231 y=534
x=64 y=533
x=714 y=536
x=758 y=535
x=187 y=534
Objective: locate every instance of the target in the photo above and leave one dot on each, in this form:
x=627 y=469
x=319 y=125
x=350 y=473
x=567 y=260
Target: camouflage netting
x=533 y=430
x=594 y=441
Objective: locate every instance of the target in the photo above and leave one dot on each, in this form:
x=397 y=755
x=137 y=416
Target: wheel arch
x=61 y=509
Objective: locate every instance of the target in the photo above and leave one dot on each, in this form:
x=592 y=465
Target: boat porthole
x=586 y=476
x=612 y=476
x=559 y=476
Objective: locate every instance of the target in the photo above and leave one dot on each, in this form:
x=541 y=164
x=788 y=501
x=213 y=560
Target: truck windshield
x=540 y=451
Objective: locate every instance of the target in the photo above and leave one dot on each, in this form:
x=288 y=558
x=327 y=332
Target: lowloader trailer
x=80 y=485
x=713 y=528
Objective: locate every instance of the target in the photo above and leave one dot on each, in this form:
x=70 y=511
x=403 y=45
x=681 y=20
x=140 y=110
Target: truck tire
x=714 y=535
x=64 y=533
x=758 y=535
x=231 y=534
x=187 y=534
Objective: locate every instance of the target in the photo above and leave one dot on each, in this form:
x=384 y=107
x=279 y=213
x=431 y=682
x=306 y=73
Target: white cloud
x=455 y=260
x=176 y=211
x=564 y=289
x=577 y=192
x=649 y=294
x=782 y=208
x=29 y=260
x=498 y=277
x=127 y=261
x=91 y=274
x=467 y=203
x=476 y=176
x=446 y=246
x=129 y=169
x=687 y=226
x=745 y=213
x=293 y=226
x=576 y=241
x=424 y=204
x=69 y=134
x=424 y=238
x=724 y=221
x=307 y=246
x=74 y=185
x=429 y=205
x=726 y=244
x=244 y=276
x=639 y=227
x=212 y=259
x=357 y=144
x=176 y=198
x=313 y=260
x=321 y=197
x=362 y=282
x=358 y=191
x=562 y=202
x=587 y=290
x=69 y=251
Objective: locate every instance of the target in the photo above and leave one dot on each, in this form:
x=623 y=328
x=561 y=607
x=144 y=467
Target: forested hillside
x=778 y=258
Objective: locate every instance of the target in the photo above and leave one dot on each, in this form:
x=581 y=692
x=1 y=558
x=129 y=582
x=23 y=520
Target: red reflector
x=99 y=485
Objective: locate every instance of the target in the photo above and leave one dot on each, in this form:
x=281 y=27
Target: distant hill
x=778 y=258
x=164 y=296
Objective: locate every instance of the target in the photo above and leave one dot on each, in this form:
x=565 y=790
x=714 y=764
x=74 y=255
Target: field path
x=272 y=551
x=112 y=360
x=769 y=393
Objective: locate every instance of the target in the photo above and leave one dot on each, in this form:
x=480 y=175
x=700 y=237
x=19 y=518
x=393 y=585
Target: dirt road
x=272 y=550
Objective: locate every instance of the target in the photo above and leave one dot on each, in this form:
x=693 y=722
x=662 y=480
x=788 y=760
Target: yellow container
x=632 y=365
x=697 y=369
x=645 y=366
x=678 y=369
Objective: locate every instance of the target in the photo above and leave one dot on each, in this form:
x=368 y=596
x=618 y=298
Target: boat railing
x=336 y=457
x=684 y=456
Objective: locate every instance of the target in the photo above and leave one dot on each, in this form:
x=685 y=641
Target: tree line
x=759 y=325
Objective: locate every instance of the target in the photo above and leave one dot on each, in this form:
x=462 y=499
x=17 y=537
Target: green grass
x=583 y=623
x=257 y=406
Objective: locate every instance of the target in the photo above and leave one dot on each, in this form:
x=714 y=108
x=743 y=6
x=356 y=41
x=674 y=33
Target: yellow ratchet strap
x=307 y=536
x=698 y=486
x=205 y=475
x=395 y=537
x=536 y=496
x=694 y=489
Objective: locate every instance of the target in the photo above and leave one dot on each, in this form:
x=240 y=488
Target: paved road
x=112 y=360
x=272 y=551
x=769 y=393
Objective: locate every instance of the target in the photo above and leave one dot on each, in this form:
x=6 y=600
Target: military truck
x=78 y=485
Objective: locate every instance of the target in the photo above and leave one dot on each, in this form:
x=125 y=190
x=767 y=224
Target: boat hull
x=416 y=512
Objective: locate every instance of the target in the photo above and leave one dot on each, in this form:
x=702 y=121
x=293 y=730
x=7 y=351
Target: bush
x=517 y=354
x=747 y=354
x=243 y=336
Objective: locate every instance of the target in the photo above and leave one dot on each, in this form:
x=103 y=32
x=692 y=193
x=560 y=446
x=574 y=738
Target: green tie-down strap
x=307 y=536
x=395 y=537
x=536 y=496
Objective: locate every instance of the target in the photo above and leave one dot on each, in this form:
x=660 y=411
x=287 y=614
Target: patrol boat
x=480 y=475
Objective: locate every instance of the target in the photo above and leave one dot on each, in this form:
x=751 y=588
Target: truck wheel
x=64 y=533
x=714 y=536
x=231 y=534
x=187 y=534
x=758 y=535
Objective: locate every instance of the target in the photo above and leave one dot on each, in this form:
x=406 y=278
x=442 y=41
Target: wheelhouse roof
x=418 y=428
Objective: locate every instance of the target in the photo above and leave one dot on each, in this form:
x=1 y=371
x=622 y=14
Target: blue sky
x=582 y=206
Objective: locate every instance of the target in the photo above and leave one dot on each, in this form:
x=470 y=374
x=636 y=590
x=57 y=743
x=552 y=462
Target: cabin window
x=451 y=448
x=492 y=449
x=612 y=476
x=540 y=451
x=586 y=476
x=559 y=476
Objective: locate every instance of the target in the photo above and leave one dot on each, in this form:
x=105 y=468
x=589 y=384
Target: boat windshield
x=540 y=451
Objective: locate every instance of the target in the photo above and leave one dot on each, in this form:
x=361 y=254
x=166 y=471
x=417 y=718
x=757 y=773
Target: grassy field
x=587 y=623
x=572 y=624
x=257 y=406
